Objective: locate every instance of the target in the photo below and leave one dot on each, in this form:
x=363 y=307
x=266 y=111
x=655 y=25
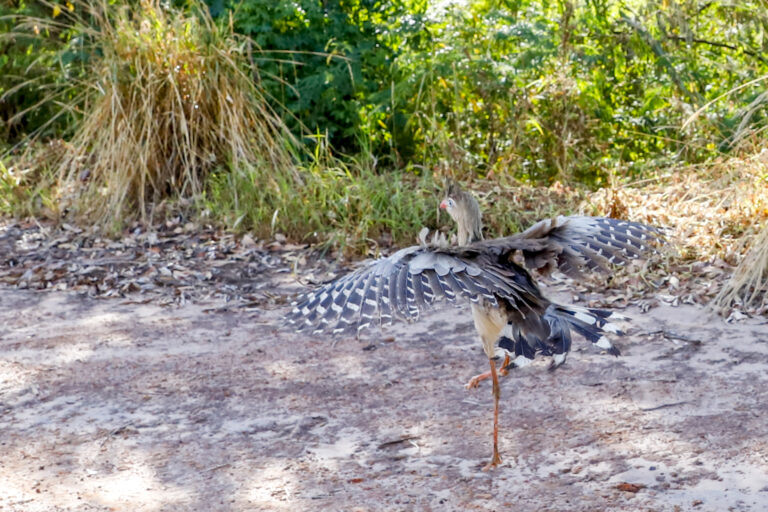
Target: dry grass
x=749 y=284
x=710 y=210
x=164 y=101
x=27 y=182
x=713 y=214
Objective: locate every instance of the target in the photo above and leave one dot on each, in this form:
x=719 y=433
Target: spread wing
x=572 y=244
x=410 y=281
x=413 y=279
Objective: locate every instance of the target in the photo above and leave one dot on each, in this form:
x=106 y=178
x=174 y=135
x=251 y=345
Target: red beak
x=444 y=205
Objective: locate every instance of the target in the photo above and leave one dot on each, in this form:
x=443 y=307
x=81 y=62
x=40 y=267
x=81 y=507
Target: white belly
x=489 y=321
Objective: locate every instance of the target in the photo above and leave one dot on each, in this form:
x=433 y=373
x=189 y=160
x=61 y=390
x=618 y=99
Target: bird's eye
x=451 y=203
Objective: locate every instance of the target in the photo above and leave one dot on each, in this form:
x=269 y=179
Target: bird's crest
x=453 y=189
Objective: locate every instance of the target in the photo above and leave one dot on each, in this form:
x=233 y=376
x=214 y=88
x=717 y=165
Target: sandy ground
x=119 y=405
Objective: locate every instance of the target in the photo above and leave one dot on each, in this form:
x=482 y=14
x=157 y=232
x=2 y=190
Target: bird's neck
x=469 y=231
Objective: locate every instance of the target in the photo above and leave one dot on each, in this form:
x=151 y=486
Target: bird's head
x=453 y=196
x=463 y=208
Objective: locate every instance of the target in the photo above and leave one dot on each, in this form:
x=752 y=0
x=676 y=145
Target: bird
x=513 y=318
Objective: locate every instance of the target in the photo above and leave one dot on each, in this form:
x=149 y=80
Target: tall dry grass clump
x=165 y=98
x=748 y=287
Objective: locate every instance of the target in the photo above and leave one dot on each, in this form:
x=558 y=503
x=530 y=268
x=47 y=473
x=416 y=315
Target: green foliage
x=327 y=63
x=28 y=68
x=569 y=90
x=343 y=203
x=578 y=90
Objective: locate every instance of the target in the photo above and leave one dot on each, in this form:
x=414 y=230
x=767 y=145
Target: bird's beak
x=443 y=205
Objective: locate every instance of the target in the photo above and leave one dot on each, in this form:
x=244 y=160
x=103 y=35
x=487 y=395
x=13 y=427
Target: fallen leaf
x=627 y=487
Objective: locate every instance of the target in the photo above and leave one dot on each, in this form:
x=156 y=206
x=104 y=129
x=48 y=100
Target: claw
x=477 y=379
x=495 y=461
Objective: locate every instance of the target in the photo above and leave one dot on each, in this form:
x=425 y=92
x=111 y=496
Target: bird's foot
x=477 y=379
x=495 y=461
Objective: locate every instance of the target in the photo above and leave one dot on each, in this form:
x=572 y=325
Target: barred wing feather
x=406 y=283
x=575 y=243
x=409 y=282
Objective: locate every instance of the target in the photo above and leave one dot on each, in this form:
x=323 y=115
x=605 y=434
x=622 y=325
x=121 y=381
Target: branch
x=695 y=99
x=719 y=45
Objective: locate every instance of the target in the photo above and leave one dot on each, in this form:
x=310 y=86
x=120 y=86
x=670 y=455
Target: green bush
x=328 y=64
x=579 y=90
x=30 y=69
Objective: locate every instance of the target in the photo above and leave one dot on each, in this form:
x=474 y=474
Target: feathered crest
x=453 y=189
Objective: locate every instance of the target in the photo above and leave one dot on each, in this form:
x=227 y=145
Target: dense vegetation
x=541 y=90
x=367 y=104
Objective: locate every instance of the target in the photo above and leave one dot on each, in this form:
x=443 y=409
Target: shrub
x=164 y=98
x=329 y=63
x=579 y=91
x=28 y=76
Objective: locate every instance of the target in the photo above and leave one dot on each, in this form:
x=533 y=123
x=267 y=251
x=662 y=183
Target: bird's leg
x=496 y=459
x=477 y=379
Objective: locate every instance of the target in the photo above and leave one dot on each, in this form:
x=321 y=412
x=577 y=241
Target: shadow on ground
x=117 y=405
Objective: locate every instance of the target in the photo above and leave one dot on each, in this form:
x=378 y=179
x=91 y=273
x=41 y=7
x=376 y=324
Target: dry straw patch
x=749 y=284
x=711 y=211
x=713 y=215
x=165 y=102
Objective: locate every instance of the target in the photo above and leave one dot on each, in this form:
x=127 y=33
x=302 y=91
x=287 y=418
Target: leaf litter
x=171 y=263
x=709 y=216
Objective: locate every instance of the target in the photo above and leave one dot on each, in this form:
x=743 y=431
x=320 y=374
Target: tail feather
x=592 y=324
x=559 y=340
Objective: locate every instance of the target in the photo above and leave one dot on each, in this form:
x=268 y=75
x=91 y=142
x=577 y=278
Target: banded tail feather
x=594 y=325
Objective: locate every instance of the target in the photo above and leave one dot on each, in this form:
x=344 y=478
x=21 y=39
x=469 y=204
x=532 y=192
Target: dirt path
x=115 y=405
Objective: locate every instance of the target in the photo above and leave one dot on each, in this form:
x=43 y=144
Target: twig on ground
x=663 y=406
x=673 y=335
x=214 y=468
x=403 y=439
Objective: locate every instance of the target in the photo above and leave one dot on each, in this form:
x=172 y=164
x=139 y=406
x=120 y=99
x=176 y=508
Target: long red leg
x=496 y=459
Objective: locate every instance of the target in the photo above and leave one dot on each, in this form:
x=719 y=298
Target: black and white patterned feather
x=403 y=285
x=413 y=279
x=573 y=244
